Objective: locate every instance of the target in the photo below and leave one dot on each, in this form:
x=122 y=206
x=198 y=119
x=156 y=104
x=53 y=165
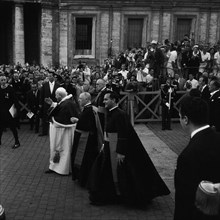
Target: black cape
x=137 y=179
x=86 y=145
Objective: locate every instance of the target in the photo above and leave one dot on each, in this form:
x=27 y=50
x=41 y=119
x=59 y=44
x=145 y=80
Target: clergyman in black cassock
x=88 y=139
x=199 y=161
x=123 y=170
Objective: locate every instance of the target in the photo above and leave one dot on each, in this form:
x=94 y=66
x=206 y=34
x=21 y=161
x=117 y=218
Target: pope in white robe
x=64 y=116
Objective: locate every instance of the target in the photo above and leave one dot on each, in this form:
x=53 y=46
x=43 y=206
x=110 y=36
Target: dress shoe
x=49 y=171
x=169 y=129
x=163 y=129
x=16 y=145
x=40 y=135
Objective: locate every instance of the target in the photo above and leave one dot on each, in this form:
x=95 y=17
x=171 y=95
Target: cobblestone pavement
x=27 y=193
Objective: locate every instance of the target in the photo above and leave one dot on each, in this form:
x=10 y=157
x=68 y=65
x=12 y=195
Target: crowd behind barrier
x=136 y=74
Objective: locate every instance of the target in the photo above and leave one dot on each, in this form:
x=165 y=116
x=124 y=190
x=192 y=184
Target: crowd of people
x=93 y=139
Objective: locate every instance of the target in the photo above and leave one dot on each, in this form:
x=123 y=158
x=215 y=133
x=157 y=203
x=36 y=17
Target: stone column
x=104 y=35
x=46 y=37
x=63 y=38
x=18 y=48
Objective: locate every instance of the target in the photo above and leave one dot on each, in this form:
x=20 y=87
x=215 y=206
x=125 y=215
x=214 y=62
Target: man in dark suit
x=8 y=107
x=204 y=89
x=198 y=161
x=33 y=98
x=214 y=103
x=98 y=102
x=47 y=91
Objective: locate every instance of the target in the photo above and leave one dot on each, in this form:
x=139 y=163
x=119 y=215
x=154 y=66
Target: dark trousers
x=166 y=117
x=34 y=122
x=14 y=132
x=45 y=125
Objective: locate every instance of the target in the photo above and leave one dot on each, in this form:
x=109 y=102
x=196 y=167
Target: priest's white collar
x=199 y=129
x=66 y=97
x=113 y=108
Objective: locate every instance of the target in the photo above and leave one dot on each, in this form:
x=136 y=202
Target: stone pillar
x=166 y=26
x=18 y=48
x=63 y=54
x=213 y=28
x=116 y=27
x=46 y=37
x=155 y=21
x=104 y=36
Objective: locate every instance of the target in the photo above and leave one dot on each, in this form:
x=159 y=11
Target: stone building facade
x=54 y=32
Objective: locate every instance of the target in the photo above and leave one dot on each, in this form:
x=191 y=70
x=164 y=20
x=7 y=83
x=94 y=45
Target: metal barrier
x=145 y=106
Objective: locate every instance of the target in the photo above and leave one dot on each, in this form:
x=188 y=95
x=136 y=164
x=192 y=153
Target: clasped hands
x=49 y=101
x=120 y=158
x=74 y=120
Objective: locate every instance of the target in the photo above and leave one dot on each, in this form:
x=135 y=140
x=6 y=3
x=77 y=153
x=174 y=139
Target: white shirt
x=124 y=73
x=140 y=77
x=205 y=57
x=217 y=58
x=194 y=83
x=172 y=57
x=199 y=129
x=51 y=84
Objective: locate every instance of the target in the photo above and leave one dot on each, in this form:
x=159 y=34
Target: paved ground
x=27 y=193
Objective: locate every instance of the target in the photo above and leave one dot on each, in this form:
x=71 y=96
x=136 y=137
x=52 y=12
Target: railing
x=140 y=106
x=145 y=106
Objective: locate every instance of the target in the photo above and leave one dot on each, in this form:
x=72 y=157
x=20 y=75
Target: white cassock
x=61 y=139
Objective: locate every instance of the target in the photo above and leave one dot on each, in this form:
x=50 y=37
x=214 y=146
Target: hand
x=74 y=120
x=49 y=101
x=120 y=158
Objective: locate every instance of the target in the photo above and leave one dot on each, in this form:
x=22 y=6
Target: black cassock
x=86 y=144
x=135 y=181
x=7 y=99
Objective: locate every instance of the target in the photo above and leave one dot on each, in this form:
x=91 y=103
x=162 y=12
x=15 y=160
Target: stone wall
x=110 y=26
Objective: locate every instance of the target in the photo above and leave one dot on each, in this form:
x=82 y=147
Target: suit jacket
x=214 y=109
x=45 y=93
x=33 y=100
x=198 y=161
x=205 y=94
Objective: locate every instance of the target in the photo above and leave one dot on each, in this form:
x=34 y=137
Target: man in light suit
x=47 y=91
x=198 y=161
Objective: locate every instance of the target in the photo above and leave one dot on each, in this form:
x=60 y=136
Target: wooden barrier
x=145 y=106
x=140 y=106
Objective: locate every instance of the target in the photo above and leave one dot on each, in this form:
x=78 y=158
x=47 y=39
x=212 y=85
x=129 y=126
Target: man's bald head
x=60 y=93
x=100 y=84
x=84 y=98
